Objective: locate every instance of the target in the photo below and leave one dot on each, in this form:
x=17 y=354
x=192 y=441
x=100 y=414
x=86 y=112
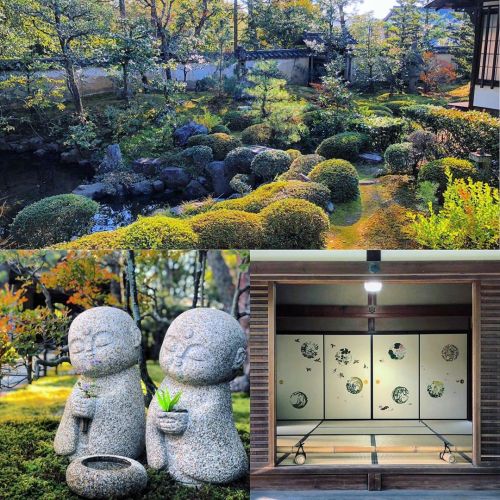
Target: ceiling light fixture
x=373 y=286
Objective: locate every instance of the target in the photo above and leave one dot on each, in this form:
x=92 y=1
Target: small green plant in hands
x=166 y=401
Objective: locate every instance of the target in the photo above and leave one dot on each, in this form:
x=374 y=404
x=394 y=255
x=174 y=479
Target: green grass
x=29 y=468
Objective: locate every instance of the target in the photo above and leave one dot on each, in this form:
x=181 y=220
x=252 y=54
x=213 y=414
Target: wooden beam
x=476 y=373
x=271 y=318
x=412 y=311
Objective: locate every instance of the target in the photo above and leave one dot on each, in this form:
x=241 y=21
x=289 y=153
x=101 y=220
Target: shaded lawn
x=29 y=468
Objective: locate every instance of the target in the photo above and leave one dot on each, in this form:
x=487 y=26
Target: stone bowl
x=106 y=476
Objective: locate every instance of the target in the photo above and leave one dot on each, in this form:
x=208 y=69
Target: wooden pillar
x=476 y=372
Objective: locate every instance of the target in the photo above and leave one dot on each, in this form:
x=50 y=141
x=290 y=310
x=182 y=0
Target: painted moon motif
x=309 y=350
x=435 y=389
x=450 y=352
x=343 y=356
x=400 y=395
x=298 y=400
x=397 y=351
x=354 y=385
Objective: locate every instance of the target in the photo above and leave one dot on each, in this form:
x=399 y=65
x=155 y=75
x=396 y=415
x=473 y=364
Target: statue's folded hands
x=172 y=422
x=83 y=407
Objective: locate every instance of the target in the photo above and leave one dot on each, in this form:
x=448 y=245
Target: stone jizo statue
x=202 y=350
x=105 y=412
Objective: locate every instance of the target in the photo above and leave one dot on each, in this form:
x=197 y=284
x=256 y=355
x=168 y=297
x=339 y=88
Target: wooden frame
x=484 y=278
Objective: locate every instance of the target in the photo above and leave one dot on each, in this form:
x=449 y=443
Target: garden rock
x=220 y=182
x=175 y=177
x=147 y=166
x=182 y=134
x=371 y=157
x=142 y=188
x=71 y=156
x=195 y=190
x=106 y=476
x=104 y=413
x=158 y=186
x=199 y=443
x=95 y=191
x=112 y=159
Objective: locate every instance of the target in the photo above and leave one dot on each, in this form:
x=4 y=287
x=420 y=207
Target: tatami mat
x=416 y=459
x=331 y=459
x=303 y=427
x=371 y=427
x=450 y=426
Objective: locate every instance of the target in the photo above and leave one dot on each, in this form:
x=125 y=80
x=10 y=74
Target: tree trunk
x=126 y=88
x=136 y=314
x=222 y=277
x=73 y=88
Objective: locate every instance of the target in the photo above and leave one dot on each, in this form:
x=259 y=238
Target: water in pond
x=25 y=179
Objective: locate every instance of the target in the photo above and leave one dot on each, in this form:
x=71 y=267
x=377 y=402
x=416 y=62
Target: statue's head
x=203 y=347
x=103 y=341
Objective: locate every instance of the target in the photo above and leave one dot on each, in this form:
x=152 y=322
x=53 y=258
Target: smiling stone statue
x=105 y=411
x=202 y=350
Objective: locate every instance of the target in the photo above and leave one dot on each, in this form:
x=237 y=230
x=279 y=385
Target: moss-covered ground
x=29 y=468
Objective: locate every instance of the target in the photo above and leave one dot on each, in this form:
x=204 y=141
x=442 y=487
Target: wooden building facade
x=483 y=276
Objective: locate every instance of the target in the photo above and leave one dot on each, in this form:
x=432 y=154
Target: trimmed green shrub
x=239 y=160
x=346 y=146
x=399 y=158
x=237 y=121
x=293 y=153
x=221 y=144
x=220 y=129
x=301 y=165
x=103 y=240
x=435 y=171
x=53 y=220
x=270 y=163
x=159 y=232
x=228 y=229
x=196 y=158
x=340 y=177
x=294 y=224
x=396 y=106
x=382 y=131
x=260 y=134
x=241 y=183
x=459 y=132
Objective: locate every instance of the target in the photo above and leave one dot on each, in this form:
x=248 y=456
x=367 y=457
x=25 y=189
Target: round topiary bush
x=222 y=144
x=241 y=183
x=220 y=129
x=435 y=171
x=294 y=224
x=239 y=161
x=260 y=134
x=340 y=177
x=346 y=145
x=301 y=165
x=237 y=121
x=196 y=158
x=97 y=241
x=399 y=158
x=271 y=163
x=53 y=220
x=396 y=106
x=159 y=232
x=293 y=153
x=199 y=140
x=228 y=229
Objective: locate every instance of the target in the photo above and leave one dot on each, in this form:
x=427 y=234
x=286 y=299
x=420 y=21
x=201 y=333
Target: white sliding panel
x=395 y=376
x=347 y=377
x=443 y=376
x=299 y=376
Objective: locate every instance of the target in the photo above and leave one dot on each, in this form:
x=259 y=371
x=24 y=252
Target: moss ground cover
x=29 y=468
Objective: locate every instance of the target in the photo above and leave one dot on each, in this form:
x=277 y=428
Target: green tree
x=461 y=36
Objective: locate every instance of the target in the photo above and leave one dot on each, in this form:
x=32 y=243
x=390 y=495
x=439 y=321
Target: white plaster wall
x=487 y=97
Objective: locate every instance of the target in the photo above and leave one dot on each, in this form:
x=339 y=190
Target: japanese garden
x=185 y=124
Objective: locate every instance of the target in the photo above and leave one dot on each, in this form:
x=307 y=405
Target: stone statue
x=202 y=350
x=105 y=411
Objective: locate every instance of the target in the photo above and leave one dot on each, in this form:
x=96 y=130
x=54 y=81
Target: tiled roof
x=257 y=55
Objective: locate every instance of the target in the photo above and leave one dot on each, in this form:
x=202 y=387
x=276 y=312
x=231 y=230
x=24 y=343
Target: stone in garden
x=142 y=188
x=95 y=191
x=71 y=156
x=175 y=177
x=147 y=166
x=112 y=159
x=220 y=182
x=195 y=190
x=201 y=353
x=371 y=157
x=104 y=413
x=106 y=476
x=182 y=134
x=158 y=186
